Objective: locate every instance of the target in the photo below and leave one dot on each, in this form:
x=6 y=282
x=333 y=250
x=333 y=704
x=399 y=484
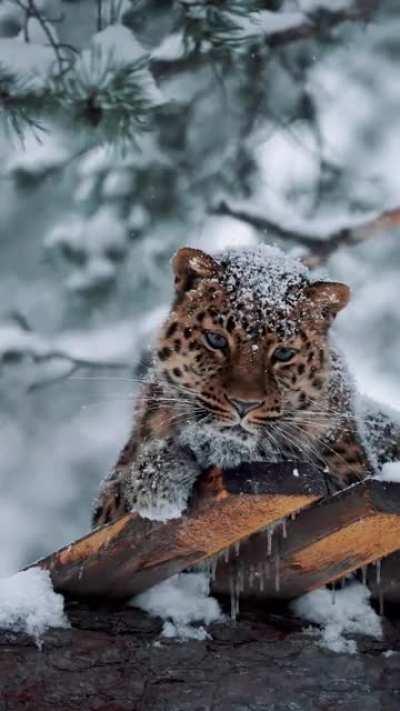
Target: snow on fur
x=346 y=611
x=223 y=448
x=181 y=601
x=29 y=604
x=264 y=283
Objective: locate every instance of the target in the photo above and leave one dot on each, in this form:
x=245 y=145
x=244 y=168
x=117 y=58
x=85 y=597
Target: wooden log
x=324 y=543
x=134 y=553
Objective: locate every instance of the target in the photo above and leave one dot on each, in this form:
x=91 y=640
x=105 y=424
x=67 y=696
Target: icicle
x=80 y=573
x=284 y=528
x=233 y=598
x=261 y=578
x=241 y=579
x=333 y=590
x=237 y=595
x=261 y=583
x=277 y=573
x=270 y=533
x=235 y=584
x=251 y=577
x=213 y=567
x=293 y=516
x=237 y=548
x=381 y=603
x=342 y=582
x=226 y=555
x=364 y=571
x=378 y=572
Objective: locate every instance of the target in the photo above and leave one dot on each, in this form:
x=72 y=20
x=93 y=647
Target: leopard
x=245 y=368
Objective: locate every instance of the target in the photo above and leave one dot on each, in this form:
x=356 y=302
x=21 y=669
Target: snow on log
x=133 y=554
x=334 y=537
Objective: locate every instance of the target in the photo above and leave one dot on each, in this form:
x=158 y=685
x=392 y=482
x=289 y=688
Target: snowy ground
x=29 y=604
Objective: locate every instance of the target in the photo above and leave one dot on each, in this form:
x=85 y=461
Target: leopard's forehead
x=262 y=285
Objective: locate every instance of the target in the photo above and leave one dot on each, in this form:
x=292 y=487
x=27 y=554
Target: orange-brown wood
x=134 y=553
x=324 y=543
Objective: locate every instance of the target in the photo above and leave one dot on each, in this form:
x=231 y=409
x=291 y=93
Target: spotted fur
x=239 y=401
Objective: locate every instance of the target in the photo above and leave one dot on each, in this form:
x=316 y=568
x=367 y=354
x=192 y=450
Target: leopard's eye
x=215 y=340
x=283 y=354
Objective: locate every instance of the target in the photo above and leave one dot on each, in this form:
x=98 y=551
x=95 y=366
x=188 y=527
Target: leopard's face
x=241 y=367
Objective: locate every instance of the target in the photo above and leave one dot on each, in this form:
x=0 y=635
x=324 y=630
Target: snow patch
x=35 y=157
x=26 y=61
x=120 y=43
x=171 y=48
x=390 y=472
x=348 y=612
x=29 y=604
x=266 y=23
x=165 y=511
x=332 y=5
x=273 y=22
x=181 y=602
x=220 y=233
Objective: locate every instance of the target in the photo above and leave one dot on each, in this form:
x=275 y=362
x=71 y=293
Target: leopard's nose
x=245 y=406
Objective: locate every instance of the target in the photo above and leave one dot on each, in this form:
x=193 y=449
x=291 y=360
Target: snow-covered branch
x=46 y=362
x=270 y=29
x=107 y=87
x=110 y=86
x=319 y=246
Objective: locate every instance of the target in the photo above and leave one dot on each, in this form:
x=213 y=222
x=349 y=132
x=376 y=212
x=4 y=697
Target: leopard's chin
x=243 y=430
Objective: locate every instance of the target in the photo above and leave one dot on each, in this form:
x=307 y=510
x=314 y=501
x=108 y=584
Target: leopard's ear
x=189 y=265
x=328 y=298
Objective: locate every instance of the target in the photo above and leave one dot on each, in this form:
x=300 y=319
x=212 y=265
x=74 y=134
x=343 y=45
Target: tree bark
x=113 y=659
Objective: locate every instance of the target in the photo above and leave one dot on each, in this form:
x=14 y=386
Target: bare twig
x=321 y=248
x=31 y=10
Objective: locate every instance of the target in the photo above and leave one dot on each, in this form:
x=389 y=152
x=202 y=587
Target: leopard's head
x=247 y=340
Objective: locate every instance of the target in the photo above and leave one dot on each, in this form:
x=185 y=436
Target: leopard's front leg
x=157 y=483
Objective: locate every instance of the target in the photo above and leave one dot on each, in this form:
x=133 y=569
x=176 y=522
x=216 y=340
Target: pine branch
x=315 y=25
x=122 y=103
x=320 y=248
x=117 y=100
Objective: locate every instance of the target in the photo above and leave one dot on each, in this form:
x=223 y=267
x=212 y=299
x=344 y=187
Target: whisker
x=106 y=378
x=325 y=446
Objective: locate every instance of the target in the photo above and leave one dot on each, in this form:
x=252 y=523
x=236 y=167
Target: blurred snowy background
x=283 y=109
